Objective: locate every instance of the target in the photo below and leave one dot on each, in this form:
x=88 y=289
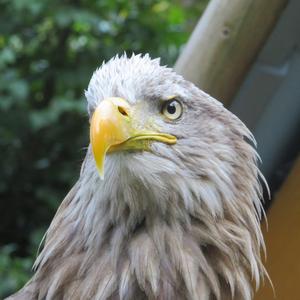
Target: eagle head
x=168 y=202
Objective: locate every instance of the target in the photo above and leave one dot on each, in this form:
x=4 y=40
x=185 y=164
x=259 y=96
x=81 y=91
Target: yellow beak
x=112 y=129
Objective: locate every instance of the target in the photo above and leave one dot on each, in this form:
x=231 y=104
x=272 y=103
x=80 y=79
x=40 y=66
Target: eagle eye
x=172 y=109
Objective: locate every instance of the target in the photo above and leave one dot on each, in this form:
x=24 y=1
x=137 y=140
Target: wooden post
x=283 y=241
x=225 y=42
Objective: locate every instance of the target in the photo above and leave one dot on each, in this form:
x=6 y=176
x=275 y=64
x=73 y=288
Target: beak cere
x=112 y=130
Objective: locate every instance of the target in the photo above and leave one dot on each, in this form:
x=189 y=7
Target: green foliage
x=15 y=270
x=48 y=51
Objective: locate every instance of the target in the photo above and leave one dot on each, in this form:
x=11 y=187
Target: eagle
x=169 y=198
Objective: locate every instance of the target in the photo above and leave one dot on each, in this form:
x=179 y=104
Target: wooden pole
x=283 y=241
x=225 y=42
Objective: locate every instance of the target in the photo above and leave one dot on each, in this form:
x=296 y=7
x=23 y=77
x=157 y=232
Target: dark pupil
x=171 y=108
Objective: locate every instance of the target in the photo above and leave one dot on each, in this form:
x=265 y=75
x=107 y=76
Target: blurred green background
x=48 y=51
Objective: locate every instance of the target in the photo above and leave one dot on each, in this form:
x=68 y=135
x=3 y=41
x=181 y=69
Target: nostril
x=122 y=111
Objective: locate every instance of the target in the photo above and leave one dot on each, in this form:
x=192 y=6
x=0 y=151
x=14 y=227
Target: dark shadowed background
x=48 y=51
